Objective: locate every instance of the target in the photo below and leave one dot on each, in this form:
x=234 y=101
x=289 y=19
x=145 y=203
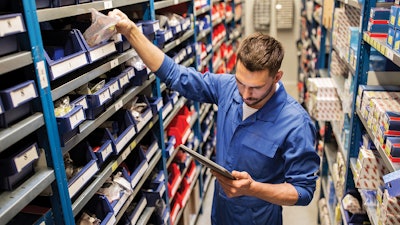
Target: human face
x=255 y=88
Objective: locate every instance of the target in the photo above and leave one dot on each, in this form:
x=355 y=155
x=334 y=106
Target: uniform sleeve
x=189 y=82
x=302 y=161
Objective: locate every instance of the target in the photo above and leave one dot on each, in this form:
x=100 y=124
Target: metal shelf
x=12 y=202
x=339 y=142
x=168 y=47
x=69 y=86
x=79 y=9
x=202 y=10
x=203 y=33
x=16 y=132
x=388 y=163
x=14 y=61
x=380 y=45
x=167 y=3
x=89 y=126
x=109 y=169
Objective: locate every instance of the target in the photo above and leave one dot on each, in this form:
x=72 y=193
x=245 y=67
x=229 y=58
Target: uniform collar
x=271 y=109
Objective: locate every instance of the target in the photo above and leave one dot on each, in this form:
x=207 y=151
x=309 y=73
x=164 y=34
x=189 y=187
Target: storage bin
x=123 y=196
x=79 y=100
x=99 y=143
x=68 y=125
x=85 y=159
x=9 y=183
x=122 y=130
x=134 y=166
x=170 y=146
x=180 y=129
x=154 y=192
x=139 y=204
x=145 y=114
x=64 y=52
x=17 y=157
x=98 y=51
x=99 y=206
x=123 y=45
x=114 y=88
x=84 y=1
x=148 y=146
x=33 y=214
x=358 y=218
x=11 y=24
x=9 y=44
x=174 y=179
x=59 y=3
x=156 y=104
x=149 y=26
x=163 y=36
x=140 y=76
x=97 y=102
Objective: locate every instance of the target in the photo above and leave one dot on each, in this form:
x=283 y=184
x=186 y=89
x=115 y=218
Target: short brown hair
x=259 y=52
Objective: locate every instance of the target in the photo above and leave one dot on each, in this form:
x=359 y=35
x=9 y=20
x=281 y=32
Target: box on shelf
x=33 y=214
x=140 y=111
x=133 y=213
x=16 y=164
x=100 y=143
x=64 y=52
x=134 y=166
x=68 y=124
x=149 y=146
x=99 y=206
x=80 y=164
x=98 y=51
x=97 y=102
x=120 y=128
x=17 y=102
x=174 y=179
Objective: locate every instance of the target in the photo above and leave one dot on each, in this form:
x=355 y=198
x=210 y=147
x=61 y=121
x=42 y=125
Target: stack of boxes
x=387 y=208
x=378 y=23
x=393 y=38
x=323 y=102
x=380 y=107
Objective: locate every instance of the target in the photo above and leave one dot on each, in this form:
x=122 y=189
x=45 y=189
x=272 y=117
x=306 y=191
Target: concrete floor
x=299 y=215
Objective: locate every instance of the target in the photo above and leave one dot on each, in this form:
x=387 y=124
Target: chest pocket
x=257 y=156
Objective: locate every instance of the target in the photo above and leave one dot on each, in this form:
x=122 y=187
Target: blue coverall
x=274 y=145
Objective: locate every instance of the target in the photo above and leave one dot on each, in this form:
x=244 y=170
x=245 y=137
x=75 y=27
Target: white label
x=112 y=220
x=67 y=66
x=102 y=51
x=23 y=160
x=120 y=203
x=106 y=152
x=80 y=182
x=82 y=103
x=131 y=73
x=159 y=104
x=76 y=118
x=176 y=2
x=139 y=174
x=124 y=140
x=114 y=63
x=167 y=109
x=171 y=149
x=156 y=26
x=176 y=186
x=168 y=35
x=11 y=26
x=148 y=70
x=108 y=5
x=138 y=211
x=23 y=94
x=104 y=96
x=114 y=87
x=118 y=105
x=151 y=150
x=40 y=67
x=389 y=54
x=162 y=190
x=125 y=154
x=123 y=80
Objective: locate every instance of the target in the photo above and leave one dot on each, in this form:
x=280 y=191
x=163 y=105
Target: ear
x=278 y=76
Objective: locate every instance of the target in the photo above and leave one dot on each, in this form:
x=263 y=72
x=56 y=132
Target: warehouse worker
x=264 y=136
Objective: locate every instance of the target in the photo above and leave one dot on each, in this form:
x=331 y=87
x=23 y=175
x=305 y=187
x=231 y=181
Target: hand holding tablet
x=207 y=162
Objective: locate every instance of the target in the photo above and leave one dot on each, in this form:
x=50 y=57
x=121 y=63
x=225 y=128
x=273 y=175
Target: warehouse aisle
x=299 y=215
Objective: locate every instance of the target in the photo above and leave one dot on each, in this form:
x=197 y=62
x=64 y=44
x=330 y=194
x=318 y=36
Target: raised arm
x=151 y=55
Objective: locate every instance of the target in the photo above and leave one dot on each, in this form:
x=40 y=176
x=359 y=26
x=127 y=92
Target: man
x=264 y=136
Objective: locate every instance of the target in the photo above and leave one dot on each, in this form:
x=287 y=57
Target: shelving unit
x=43 y=121
x=358 y=70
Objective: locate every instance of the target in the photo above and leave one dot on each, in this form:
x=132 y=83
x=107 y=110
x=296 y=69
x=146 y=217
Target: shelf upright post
x=361 y=76
x=321 y=60
x=63 y=209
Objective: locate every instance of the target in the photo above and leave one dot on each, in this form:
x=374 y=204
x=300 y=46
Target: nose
x=246 y=93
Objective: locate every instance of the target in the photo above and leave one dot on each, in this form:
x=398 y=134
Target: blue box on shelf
x=64 y=52
x=153 y=192
x=80 y=100
x=9 y=44
x=122 y=45
x=156 y=104
x=392 y=183
x=114 y=88
x=379 y=13
x=141 y=75
x=21 y=156
x=59 y=3
x=393 y=15
x=149 y=26
x=120 y=129
x=176 y=29
x=97 y=102
x=82 y=157
x=170 y=146
x=98 y=51
x=99 y=143
x=33 y=214
x=134 y=214
x=148 y=146
x=134 y=167
x=390 y=37
x=68 y=124
x=124 y=194
x=123 y=79
x=144 y=116
x=163 y=36
x=99 y=206
x=186 y=23
x=392 y=146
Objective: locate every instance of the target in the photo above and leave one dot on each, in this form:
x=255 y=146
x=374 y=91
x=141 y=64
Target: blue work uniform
x=274 y=145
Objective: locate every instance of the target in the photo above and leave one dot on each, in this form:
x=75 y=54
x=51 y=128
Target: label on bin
x=82 y=103
x=139 y=174
x=11 y=26
x=69 y=65
x=138 y=210
x=130 y=73
x=127 y=137
x=102 y=51
x=81 y=181
x=113 y=87
x=104 y=96
x=124 y=80
x=26 y=158
x=23 y=94
x=106 y=152
x=76 y=118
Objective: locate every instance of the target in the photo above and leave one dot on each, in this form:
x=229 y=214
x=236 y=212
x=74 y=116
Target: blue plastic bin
x=64 y=52
x=100 y=206
x=98 y=51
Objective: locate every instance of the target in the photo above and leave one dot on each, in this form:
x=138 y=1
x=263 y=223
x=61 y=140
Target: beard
x=254 y=101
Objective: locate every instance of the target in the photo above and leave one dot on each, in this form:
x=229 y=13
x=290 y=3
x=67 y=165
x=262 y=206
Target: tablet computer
x=207 y=162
